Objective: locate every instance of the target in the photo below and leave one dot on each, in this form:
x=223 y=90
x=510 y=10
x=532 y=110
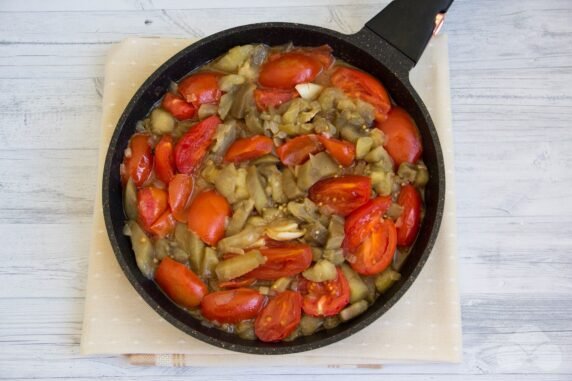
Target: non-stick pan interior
x=367 y=58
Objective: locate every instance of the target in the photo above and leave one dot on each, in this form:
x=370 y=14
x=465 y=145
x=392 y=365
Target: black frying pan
x=387 y=47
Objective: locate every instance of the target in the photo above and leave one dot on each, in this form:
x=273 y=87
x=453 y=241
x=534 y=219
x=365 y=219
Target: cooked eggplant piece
x=358 y=288
x=310 y=324
x=209 y=263
x=336 y=256
x=162 y=122
x=239 y=265
x=130 y=200
x=240 y=241
x=234 y=58
x=225 y=135
x=144 y=250
x=353 y=310
x=291 y=189
x=336 y=233
x=316 y=233
x=322 y=271
x=316 y=168
x=256 y=190
x=241 y=213
x=386 y=279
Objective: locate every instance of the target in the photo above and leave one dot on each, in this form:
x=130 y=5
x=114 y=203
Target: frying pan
x=388 y=47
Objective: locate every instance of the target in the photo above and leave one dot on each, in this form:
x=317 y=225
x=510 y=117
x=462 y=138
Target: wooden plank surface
x=511 y=79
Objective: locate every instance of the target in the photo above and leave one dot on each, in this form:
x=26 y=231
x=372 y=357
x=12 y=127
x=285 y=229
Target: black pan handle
x=408 y=25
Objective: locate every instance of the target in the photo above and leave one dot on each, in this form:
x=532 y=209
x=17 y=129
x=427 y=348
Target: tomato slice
x=193 y=146
x=342 y=151
x=410 y=220
x=321 y=53
x=297 y=151
x=266 y=98
x=283 y=260
x=180 y=189
x=403 y=141
x=164 y=160
x=164 y=225
x=151 y=204
x=357 y=84
x=341 y=195
x=284 y=71
x=178 y=107
x=232 y=306
x=242 y=281
x=325 y=298
x=208 y=214
x=360 y=223
x=139 y=164
x=180 y=283
x=200 y=88
x=376 y=252
x=248 y=148
x=280 y=317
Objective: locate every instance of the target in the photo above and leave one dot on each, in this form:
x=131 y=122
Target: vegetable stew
x=274 y=191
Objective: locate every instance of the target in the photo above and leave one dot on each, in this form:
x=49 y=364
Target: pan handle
x=408 y=25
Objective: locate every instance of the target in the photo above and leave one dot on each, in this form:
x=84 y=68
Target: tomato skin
x=361 y=222
x=164 y=160
x=341 y=195
x=232 y=306
x=207 y=216
x=287 y=70
x=139 y=165
x=239 y=282
x=248 y=148
x=321 y=53
x=358 y=84
x=193 y=146
x=178 y=107
x=280 y=317
x=164 y=225
x=325 y=298
x=410 y=220
x=180 y=283
x=297 y=150
x=266 y=98
x=283 y=260
x=403 y=141
x=151 y=204
x=342 y=151
x=200 y=88
x=376 y=252
x=180 y=190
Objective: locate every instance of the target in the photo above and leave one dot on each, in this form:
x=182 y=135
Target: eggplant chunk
x=130 y=200
x=239 y=265
x=144 y=250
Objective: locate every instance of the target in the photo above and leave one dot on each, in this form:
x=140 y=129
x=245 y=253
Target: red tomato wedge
x=200 y=88
x=180 y=189
x=208 y=214
x=283 y=260
x=139 y=164
x=193 y=146
x=232 y=306
x=164 y=225
x=297 y=151
x=248 y=148
x=357 y=84
x=178 y=107
x=325 y=298
x=341 y=195
x=284 y=71
x=180 y=283
x=342 y=151
x=242 y=281
x=321 y=53
x=164 y=160
x=266 y=98
x=151 y=204
x=376 y=252
x=280 y=317
x=410 y=220
x=360 y=223
x=403 y=141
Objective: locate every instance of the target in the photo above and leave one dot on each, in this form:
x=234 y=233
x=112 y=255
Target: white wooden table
x=511 y=78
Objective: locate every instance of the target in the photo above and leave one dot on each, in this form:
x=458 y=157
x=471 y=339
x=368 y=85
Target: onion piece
x=309 y=91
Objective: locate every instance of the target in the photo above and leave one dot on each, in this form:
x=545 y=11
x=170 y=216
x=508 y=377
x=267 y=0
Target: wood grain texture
x=511 y=79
